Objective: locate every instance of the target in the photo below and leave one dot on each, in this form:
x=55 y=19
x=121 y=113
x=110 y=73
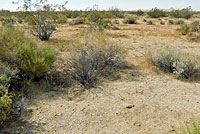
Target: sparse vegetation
x=88 y=61
x=130 y=20
x=181 y=64
x=156 y=13
x=184 y=13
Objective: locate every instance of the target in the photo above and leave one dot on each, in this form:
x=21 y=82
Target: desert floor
x=137 y=100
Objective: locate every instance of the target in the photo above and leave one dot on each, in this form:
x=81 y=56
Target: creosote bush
x=19 y=52
x=130 y=20
x=35 y=60
x=5 y=99
x=91 y=56
x=181 y=64
x=184 y=29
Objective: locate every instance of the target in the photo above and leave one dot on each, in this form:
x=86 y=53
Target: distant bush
x=156 y=13
x=182 y=65
x=139 y=12
x=77 y=22
x=130 y=20
x=194 y=26
x=149 y=22
x=171 y=22
x=43 y=21
x=88 y=60
x=115 y=27
x=184 y=13
x=116 y=12
x=162 y=23
x=184 y=29
x=180 y=22
x=96 y=20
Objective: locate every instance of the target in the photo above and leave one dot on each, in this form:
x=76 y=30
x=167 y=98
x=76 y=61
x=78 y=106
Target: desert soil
x=141 y=100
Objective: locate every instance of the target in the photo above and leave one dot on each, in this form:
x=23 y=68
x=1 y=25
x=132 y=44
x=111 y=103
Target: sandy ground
x=140 y=101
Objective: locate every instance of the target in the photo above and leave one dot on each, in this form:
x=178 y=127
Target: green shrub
x=194 y=26
x=130 y=20
x=156 y=13
x=182 y=65
x=184 y=13
x=184 y=29
x=5 y=99
x=96 y=20
x=19 y=52
x=35 y=60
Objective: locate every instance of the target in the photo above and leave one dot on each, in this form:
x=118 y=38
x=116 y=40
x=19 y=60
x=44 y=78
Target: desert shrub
x=10 y=40
x=184 y=13
x=139 y=12
x=194 y=26
x=162 y=23
x=35 y=60
x=171 y=22
x=180 y=22
x=89 y=59
x=182 y=65
x=5 y=99
x=115 y=27
x=184 y=29
x=130 y=20
x=77 y=22
x=19 y=52
x=43 y=21
x=96 y=20
x=156 y=13
x=116 y=12
x=149 y=22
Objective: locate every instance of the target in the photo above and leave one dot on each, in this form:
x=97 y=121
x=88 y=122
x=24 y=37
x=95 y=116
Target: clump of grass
x=130 y=20
x=181 y=64
x=193 y=128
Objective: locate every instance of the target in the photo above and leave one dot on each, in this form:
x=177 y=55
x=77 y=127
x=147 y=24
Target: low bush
x=184 y=29
x=30 y=59
x=77 y=22
x=194 y=26
x=170 y=22
x=35 y=60
x=180 y=22
x=182 y=65
x=139 y=12
x=149 y=22
x=156 y=13
x=130 y=20
x=89 y=59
